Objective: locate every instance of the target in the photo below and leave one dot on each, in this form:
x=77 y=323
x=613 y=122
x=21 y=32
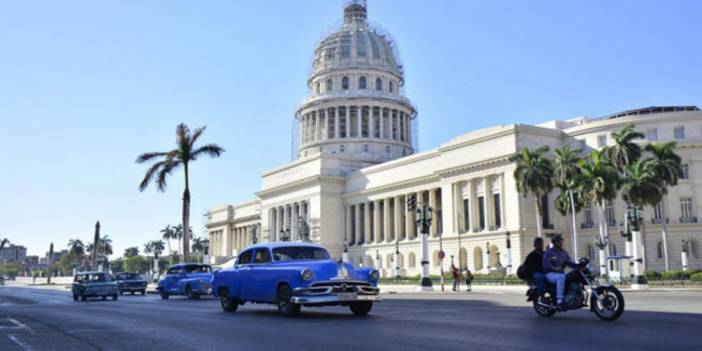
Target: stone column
x=366 y=223
x=382 y=124
x=409 y=223
x=281 y=222
x=295 y=232
x=336 y=122
x=433 y=229
x=398 y=219
x=317 y=124
x=357 y=231
x=387 y=214
x=474 y=206
x=348 y=219
x=377 y=222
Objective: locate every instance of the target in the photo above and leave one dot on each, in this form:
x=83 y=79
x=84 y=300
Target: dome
x=356 y=45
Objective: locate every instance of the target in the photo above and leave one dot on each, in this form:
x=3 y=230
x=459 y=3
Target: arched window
x=330 y=85
x=316 y=88
x=362 y=83
x=345 y=83
x=378 y=84
x=400 y=261
x=463 y=259
x=411 y=260
x=391 y=86
x=436 y=261
x=495 y=257
x=659 y=249
x=390 y=262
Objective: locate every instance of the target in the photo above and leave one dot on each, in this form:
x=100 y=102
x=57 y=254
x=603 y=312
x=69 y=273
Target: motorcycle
x=605 y=300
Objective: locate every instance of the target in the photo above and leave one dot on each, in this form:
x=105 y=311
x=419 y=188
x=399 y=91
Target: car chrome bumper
x=327 y=299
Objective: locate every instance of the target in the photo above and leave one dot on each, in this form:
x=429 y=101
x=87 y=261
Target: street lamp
x=508 y=239
x=683 y=253
x=285 y=235
x=254 y=238
x=487 y=246
x=397 y=258
x=303 y=230
x=639 y=280
x=379 y=263
x=423 y=218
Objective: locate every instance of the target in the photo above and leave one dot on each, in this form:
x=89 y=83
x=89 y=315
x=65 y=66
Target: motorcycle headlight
x=374 y=275
x=307 y=274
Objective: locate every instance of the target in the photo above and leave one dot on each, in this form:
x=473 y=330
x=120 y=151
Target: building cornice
x=593 y=126
x=311 y=180
x=476 y=166
x=395 y=186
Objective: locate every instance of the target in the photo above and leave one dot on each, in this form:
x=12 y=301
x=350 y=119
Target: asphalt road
x=37 y=319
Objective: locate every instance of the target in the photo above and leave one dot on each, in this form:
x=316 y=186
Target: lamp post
x=303 y=229
x=683 y=253
x=397 y=258
x=487 y=246
x=625 y=231
x=639 y=280
x=423 y=217
x=285 y=235
x=254 y=232
x=378 y=260
x=508 y=238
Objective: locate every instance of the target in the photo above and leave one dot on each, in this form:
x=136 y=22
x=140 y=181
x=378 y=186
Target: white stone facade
x=357 y=199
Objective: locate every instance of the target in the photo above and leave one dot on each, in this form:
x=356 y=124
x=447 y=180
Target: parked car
x=94 y=284
x=189 y=279
x=130 y=282
x=292 y=275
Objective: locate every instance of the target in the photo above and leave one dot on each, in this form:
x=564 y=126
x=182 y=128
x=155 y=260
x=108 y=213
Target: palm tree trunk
x=575 y=230
x=539 y=211
x=603 y=226
x=186 y=216
x=170 y=252
x=664 y=237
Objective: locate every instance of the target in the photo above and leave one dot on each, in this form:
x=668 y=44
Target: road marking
x=17 y=325
x=20 y=343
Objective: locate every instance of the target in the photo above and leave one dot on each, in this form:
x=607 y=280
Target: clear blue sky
x=86 y=86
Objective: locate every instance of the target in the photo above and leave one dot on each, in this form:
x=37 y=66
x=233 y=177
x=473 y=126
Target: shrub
x=652 y=275
x=697 y=277
x=675 y=275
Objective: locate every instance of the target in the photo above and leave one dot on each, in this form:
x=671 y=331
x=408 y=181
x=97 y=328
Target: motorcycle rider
x=555 y=260
x=535 y=267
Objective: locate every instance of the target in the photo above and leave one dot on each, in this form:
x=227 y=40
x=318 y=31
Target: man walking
x=469 y=279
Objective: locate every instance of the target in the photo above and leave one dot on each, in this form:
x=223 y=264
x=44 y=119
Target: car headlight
x=374 y=275
x=307 y=274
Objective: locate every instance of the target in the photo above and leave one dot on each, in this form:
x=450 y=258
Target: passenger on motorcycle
x=555 y=260
x=535 y=267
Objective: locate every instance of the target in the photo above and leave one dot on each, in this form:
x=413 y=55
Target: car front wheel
x=114 y=297
x=83 y=298
x=229 y=304
x=163 y=293
x=190 y=293
x=285 y=307
x=75 y=297
x=361 y=308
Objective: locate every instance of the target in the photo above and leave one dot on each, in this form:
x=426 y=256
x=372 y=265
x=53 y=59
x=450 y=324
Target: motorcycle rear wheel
x=611 y=306
x=543 y=311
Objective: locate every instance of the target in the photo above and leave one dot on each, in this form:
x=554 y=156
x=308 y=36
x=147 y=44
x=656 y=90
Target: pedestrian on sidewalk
x=456 y=277
x=469 y=279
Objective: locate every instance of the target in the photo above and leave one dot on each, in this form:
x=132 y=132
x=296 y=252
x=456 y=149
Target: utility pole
x=96 y=245
x=51 y=260
x=423 y=217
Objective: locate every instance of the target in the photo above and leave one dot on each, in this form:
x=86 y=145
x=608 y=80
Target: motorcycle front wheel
x=610 y=304
x=540 y=301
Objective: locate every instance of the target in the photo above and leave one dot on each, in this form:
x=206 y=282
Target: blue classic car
x=189 y=279
x=130 y=282
x=292 y=275
x=94 y=284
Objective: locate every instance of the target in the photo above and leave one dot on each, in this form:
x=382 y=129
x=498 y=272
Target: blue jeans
x=539 y=281
x=559 y=280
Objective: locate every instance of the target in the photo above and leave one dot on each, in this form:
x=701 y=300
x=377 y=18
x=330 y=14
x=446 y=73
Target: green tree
x=137 y=264
x=200 y=244
x=624 y=151
x=566 y=172
x=76 y=246
x=168 y=233
x=169 y=161
x=598 y=184
x=668 y=168
x=155 y=247
x=117 y=265
x=534 y=175
x=131 y=251
x=10 y=269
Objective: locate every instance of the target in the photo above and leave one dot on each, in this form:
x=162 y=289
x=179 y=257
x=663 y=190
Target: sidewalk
x=414 y=289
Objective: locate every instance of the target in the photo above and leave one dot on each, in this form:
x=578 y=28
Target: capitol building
x=358 y=164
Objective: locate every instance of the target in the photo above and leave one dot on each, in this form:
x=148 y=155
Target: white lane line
x=20 y=343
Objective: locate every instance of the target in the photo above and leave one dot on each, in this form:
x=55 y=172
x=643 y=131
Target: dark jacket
x=534 y=262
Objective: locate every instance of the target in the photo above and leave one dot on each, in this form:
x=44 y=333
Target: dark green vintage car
x=94 y=284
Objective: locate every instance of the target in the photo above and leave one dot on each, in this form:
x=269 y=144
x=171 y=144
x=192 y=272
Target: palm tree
x=534 y=174
x=199 y=244
x=598 y=184
x=178 y=234
x=105 y=245
x=566 y=173
x=668 y=168
x=156 y=247
x=641 y=187
x=168 y=233
x=76 y=247
x=4 y=242
x=170 y=161
x=131 y=251
x=625 y=151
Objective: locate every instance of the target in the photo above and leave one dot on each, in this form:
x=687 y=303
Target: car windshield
x=198 y=269
x=128 y=276
x=100 y=277
x=293 y=253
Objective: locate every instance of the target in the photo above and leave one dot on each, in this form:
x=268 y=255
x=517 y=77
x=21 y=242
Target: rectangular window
x=322 y=124
x=609 y=212
x=353 y=120
x=394 y=124
x=481 y=211
x=684 y=172
x=439 y=213
x=386 y=123
x=602 y=140
x=402 y=126
x=466 y=215
x=342 y=122
x=331 y=124
x=658 y=211
x=313 y=122
x=686 y=207
x=679 y=133
x=498 y=213
x=588 y=214
x=652 y=134
x=376 y=122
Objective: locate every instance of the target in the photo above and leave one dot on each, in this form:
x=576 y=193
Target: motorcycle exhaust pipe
x=546 y=305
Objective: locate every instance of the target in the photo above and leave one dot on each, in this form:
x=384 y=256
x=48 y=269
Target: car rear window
x=128 y=276
x=294 y=253
x=198 y=269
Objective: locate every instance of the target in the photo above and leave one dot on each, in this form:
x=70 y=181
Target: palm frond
x=166 y=171
x=150 y=174
x=212 y=150
x=150 y=155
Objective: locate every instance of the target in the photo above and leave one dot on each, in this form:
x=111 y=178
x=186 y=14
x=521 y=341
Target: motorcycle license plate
x=347 y=296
